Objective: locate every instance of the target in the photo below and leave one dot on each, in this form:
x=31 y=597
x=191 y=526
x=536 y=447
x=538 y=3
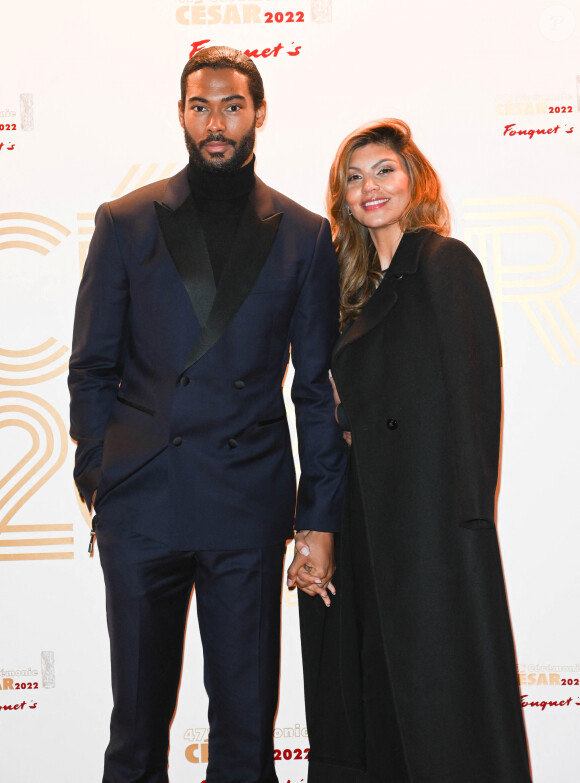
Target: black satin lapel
x=380 y=303
x=252 y=245
x=184 y=238
x=405 y=262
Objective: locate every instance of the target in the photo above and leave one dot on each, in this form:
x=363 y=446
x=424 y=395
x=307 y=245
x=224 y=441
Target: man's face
x=219 y=120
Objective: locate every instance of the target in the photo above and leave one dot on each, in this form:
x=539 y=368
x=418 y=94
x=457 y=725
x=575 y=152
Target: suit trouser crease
x=148 y=590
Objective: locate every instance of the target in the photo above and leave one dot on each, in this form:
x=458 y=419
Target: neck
x=386 y=241
x=218 y=185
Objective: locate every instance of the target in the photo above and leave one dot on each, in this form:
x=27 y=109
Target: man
x=193 y=291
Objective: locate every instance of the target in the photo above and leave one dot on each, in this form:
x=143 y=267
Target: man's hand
x=313 y=564
x=346 y=435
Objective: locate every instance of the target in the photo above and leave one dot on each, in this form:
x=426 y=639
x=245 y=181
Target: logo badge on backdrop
x=246 y=12
x=21 y=687
x=557 y=22
x=15 y=119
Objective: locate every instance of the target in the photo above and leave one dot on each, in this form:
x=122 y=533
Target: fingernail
x=319 y=581
x=305 y=551
x=289 y=582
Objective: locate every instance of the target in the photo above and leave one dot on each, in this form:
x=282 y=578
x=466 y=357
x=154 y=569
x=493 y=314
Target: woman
x=410 y=674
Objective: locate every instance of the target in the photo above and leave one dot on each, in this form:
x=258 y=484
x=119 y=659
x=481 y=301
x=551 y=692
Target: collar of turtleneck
x=221 y=186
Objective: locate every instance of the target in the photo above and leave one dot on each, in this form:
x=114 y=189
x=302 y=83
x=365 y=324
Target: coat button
x=392 y=424
x=177 y=441
x=239 y=385
x=184 y=380
x=232 y=443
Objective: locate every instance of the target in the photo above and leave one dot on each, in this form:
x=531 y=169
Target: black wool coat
x=418 y=374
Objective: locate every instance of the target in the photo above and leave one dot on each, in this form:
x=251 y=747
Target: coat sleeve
x=322 y=453
x=469 y=349
x=95 y=371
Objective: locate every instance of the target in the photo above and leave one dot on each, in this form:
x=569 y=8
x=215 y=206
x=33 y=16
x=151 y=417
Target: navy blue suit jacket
x=176 y=388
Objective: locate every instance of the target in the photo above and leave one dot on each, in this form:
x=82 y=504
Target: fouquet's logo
x=269 y=51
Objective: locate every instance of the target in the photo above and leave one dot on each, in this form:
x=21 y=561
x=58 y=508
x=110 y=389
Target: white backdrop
x=88 y=111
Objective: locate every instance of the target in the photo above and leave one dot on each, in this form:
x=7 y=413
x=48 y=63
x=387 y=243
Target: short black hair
x=216 y=57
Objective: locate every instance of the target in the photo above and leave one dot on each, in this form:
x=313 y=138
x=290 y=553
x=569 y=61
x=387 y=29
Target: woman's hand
x=313 y=565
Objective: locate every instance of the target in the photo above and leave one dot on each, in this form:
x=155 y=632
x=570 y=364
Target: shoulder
x=452 y=273
x=133 y=215
x=293 y=211
x=138 y=200
x=172 y=192
x=446 y=255
x=442 y=250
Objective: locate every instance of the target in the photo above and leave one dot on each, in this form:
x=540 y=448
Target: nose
x=215 y=123
x=369 y=185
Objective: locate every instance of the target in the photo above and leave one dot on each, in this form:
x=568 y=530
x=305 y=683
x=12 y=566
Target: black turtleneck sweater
x=220 y=200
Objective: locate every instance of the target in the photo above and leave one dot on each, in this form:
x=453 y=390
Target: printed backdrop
x=88 y=111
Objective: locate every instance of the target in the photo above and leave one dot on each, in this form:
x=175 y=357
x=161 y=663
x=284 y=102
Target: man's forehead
x=217 y=84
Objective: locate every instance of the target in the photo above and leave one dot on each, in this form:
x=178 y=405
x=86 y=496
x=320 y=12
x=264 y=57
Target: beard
x=218 y=163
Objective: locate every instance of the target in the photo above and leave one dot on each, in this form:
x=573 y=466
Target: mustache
x=216 y=137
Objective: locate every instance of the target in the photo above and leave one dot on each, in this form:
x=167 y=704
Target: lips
x=216 y=145
x=216 y=148
x=375 y=203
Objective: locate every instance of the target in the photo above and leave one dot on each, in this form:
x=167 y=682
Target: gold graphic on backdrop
x=32 y=365
x=538 y=288
x=86 y=227
x=31 y=232
x=46 y=453
x=137 y=176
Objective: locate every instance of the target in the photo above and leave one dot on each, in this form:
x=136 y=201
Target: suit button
x=392 y=424
x=177 y=441
x=232 y=443
x=239 y=385
x=184 y=380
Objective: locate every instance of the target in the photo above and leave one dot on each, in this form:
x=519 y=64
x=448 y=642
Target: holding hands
x=313 y=565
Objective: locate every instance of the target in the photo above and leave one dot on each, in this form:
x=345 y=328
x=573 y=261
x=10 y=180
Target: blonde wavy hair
x=359 y=266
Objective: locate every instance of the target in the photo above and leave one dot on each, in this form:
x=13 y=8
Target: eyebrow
x=378 y=163
x=223 y=100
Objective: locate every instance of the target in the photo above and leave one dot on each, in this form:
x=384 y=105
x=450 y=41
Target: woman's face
x=378 y=188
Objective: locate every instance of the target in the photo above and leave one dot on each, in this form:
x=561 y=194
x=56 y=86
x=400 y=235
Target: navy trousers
x=148 y=589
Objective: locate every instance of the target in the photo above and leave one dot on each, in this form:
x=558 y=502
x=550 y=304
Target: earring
x=348 y=212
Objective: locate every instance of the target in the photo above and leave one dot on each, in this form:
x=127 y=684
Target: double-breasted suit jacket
x=176 y=387
x=419 y=376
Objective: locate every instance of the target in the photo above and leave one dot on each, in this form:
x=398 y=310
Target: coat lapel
x=183 y=235
x=184 y=238
x=405 y=262
x=254 y=239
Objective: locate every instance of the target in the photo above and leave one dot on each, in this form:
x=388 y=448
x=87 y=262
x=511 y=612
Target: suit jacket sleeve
x=95 y=370
x=322 y=453
x=470 y=357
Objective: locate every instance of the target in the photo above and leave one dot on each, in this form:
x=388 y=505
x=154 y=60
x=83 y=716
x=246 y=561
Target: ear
x=261 y=115
x=180 y=110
